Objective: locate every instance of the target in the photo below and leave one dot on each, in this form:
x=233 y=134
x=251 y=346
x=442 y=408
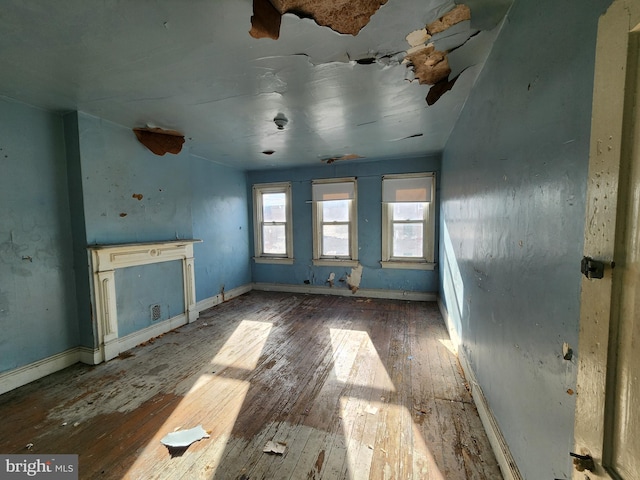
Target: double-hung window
x=408 y=221
x=335 y=235
x=272 y=223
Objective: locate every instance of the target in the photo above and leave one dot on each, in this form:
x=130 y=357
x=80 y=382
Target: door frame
x=605 y=161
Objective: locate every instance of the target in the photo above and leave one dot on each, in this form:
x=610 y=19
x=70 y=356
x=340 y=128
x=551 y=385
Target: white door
x=607 y=427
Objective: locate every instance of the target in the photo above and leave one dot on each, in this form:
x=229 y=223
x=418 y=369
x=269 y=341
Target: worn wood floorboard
x=355 y=388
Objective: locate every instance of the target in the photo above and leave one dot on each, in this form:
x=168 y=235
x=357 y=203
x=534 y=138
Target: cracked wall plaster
x=342 y=16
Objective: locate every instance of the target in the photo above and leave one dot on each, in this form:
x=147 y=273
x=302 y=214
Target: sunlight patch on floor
x=247 y=331
x=227 y=394
x=358 y=344
x=448 y=344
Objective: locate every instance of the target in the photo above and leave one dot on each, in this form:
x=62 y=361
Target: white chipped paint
x=355 y=277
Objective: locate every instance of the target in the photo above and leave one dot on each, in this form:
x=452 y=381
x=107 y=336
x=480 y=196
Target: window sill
x=408 y=265
x=274 y=260
x=334 y=262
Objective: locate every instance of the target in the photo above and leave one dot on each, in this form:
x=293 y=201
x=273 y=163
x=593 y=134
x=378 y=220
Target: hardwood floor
x=356 y=388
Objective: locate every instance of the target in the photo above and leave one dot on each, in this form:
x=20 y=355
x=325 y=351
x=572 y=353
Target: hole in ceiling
x=342 y=17
x=431 y=66
x=281 y=121
x=159 y=140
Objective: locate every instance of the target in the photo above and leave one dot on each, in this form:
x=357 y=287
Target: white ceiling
x=192 y=66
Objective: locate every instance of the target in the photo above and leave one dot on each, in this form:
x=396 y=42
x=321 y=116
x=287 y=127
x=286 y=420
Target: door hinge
x=583 y=462
x=591 y=268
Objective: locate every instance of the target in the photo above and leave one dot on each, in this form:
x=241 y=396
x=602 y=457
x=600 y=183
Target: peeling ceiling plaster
x=195 y=68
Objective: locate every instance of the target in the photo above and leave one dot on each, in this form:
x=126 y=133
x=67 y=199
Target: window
x=272 y=225
x=335 y=236
x=408 y=226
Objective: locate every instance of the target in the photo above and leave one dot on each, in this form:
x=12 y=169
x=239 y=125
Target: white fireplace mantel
x=106 y=259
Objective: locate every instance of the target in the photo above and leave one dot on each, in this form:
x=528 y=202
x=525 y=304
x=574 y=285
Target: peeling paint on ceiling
x=457 y=14
x=159 y=140
x=197 y=70
x=428 y=55
x=348 y=156
x=342 y=16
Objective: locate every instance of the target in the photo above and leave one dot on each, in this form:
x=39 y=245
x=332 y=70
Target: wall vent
x=156 y=312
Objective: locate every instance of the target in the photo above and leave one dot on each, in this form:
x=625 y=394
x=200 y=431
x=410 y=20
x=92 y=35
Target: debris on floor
x=184 y=438
x=277 y=448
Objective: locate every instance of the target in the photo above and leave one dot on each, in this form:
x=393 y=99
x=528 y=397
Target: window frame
x=324 y=260
x=427 y=261
x=259 y=189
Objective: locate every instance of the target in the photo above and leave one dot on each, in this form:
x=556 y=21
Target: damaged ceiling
x=354 y=79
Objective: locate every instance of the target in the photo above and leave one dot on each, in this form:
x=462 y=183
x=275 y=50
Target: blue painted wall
x=513 y=200
x=67 y=182
x=115 y=171
x=37 y=293
x=221 y=221
x=369 y=226
x=183 y=197
x=87 y=334
x=115 y=166
x=144 y=290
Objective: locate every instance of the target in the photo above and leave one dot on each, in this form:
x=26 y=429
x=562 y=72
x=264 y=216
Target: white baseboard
x=90 y=356
x=141 y=336
x=207 y=303
x=345 y=292
x=28 y=373
x=496 y=439
x=136 y=338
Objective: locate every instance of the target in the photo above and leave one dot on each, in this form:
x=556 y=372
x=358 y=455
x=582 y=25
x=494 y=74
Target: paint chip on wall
x=354 y=278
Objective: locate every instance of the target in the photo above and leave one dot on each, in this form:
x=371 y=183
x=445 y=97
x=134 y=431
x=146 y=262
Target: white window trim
x=258 y=190
x=318 y=258
x=427 y=262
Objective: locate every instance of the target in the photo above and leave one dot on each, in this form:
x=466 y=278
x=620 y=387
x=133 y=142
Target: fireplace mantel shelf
x=102 y=246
